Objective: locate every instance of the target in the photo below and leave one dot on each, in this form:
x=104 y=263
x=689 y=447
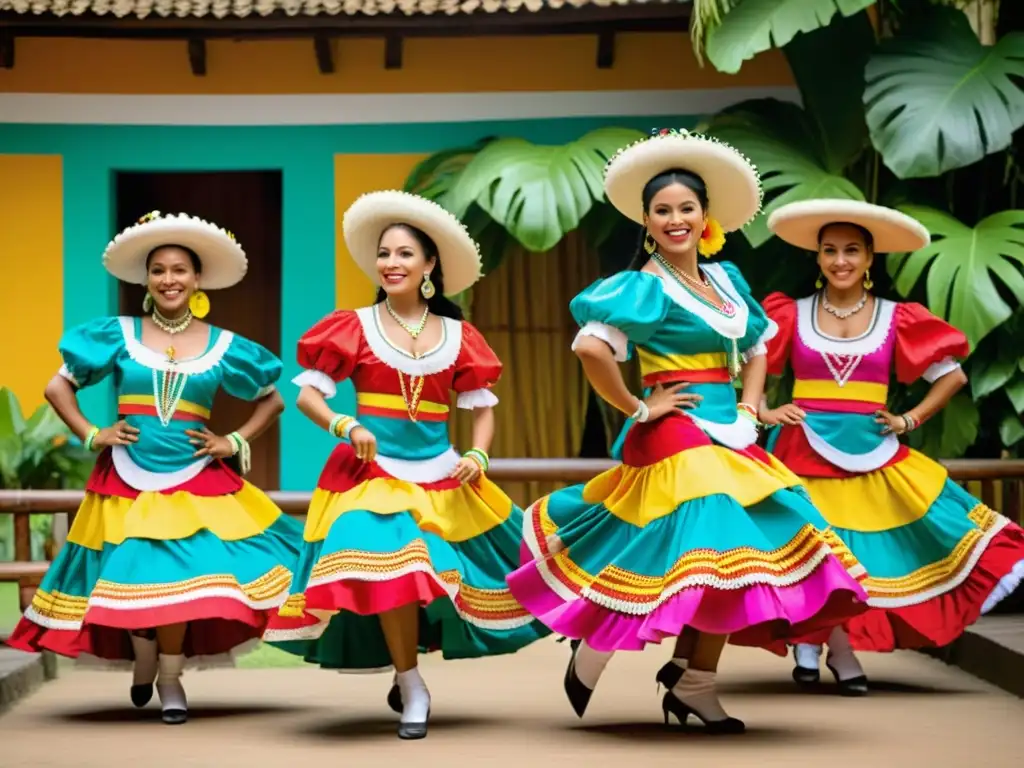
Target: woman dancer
x=407 y=542
x=173 y=558
x=936 y=557
x=698 y=528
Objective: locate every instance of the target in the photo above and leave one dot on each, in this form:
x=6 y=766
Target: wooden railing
x=998 y=482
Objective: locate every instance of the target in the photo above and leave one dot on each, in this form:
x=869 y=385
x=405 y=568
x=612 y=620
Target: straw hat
x=223 y=260
x=372 y=213
x=734 y=188
x=892 y=231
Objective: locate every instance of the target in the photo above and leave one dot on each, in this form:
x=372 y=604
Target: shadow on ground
x=828 y=688
x=375 y=727
x=152 y=713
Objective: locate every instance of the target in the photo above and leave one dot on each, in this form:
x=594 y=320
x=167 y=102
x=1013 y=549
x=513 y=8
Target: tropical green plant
x=37 y=453
x=532 y=193
x=910 y=111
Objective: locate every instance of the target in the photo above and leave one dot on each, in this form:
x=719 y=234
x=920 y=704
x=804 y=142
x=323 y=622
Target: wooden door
x=249 y=205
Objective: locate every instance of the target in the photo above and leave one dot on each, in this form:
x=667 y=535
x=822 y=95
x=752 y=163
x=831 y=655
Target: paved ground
x=511 y=712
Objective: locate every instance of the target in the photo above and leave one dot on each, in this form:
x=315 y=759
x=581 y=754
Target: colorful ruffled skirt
x=214 y=552
x=936 y=557
x=374 y=543
x=684 y=533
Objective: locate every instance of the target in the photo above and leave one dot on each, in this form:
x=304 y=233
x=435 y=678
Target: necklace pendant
x=170 y=353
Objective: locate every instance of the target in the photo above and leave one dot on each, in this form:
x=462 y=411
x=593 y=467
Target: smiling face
x=844 y=255
x=676 y=219
x=401 y=261
x=172 y=278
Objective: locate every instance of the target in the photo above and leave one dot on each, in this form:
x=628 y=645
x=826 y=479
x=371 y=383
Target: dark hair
x=666 y=179
x=197 y=263
x=439 y=304
x=869 y=239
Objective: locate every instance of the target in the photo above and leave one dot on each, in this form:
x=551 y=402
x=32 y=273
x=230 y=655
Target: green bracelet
x=90 y=437
x=480 y=456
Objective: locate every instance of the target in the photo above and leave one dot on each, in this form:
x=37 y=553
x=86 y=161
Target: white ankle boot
x=171 y=691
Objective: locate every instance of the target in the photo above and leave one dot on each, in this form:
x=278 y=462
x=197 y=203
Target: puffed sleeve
x=477 y=369
x=926 y=346
x=760 y=328
x=249 y=370
x=328 y=352
x=622 y=310
x=90 y=350
x=781 y=310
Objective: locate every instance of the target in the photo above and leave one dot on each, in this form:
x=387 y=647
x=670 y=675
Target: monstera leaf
x=434 y=177
x=937 y=99
x=538 y=193
x=752 y=26
x=962 y=264
x=781 y=141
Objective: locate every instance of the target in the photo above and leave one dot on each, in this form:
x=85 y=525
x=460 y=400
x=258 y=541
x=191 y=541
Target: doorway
x=249 y=205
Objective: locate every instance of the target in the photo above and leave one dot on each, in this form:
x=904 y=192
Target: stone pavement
x=510 y=711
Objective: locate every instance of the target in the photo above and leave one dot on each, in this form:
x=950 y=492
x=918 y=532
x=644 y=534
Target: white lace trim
x=1006 y=587
x=319 y=381
x=477 y=398
x=823 y=553
x=734 y=327
x=264 y=391
x=858 y=346
x=956 y=581
x=737 y=435
x=232 y=593
x=440 y=358
x=421 y=470
x=936 y=371
x=149 y=358
x=609 y=334
x=64 y=373
x=144 y=480
x=758 y=349
x=852 y=462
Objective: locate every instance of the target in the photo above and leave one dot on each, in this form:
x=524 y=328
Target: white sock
x=168 y=684
x=697 y=689
x=145 y=666
x=841 y=656
x=680 y=662
x=808 y=656
x=415 y=696
x=589 y=664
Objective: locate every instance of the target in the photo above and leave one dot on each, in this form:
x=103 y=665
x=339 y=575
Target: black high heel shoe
x=578 y=694
x=671 y=704
x=854 y=686
x=411 y=731
x=395 y=698
x=142 y=694
x=805 y=676
x=669 y=675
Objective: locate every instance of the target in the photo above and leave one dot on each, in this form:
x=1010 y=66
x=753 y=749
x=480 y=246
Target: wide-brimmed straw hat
x=222 y=258
x=892 y=231
x=372 y=213
x=734 y=188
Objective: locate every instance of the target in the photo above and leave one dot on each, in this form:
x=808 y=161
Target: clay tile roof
x=221 y=9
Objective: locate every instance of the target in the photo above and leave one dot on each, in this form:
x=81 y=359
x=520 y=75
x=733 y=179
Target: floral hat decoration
x=223 y=261
x=734 y=186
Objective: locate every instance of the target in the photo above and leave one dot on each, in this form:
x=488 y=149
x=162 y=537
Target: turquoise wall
x=93 y=154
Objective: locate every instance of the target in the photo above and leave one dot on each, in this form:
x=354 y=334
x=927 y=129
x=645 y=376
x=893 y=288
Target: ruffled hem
x=215 y=479
x=755 y=616
x=940 y=620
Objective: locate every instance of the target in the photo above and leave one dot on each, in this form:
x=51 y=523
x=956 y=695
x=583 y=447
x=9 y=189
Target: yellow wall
x=355 y=175
x=655 y=61
x=31 y=256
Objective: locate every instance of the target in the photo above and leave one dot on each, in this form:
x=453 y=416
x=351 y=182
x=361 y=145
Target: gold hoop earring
x=868 y=282
x=427 y=289
x=650 y=244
